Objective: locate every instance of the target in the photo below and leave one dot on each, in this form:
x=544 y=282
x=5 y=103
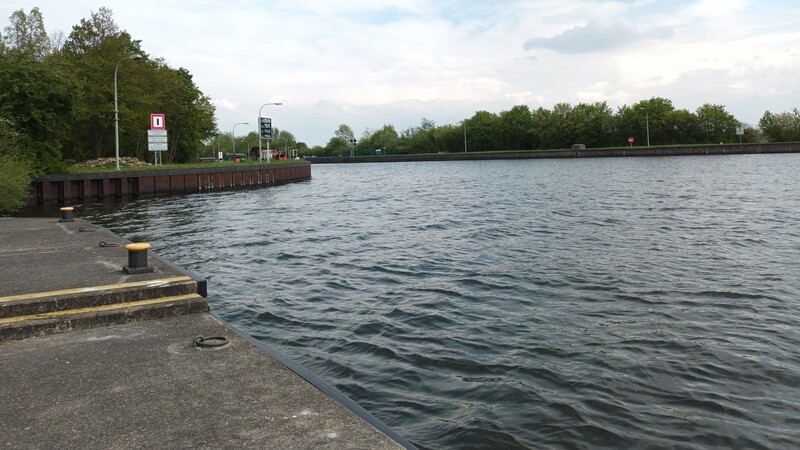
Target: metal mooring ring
x=213 y=341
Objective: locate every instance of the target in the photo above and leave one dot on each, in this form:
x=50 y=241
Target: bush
x=15 y=182
x=15 y=174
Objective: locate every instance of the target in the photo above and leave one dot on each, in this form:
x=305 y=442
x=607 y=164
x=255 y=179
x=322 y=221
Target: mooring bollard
x=66 y=214
x=137 y=258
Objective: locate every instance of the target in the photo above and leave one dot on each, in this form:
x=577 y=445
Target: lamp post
x=465 y=136
x=259 y=129
x=116 y=107
x=233 y=136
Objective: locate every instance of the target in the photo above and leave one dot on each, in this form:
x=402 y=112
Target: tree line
x=595 y=125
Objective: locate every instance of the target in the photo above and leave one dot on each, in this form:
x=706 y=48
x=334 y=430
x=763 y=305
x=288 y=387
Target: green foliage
x=336 y=146
x=419 y=139
x=26 y=34
x=592 y=124
x=344 y=132
x=15 y=174
x=715 y=124
x=39 y=100
x=16 y=181
x=515 y=128
x=781 y=127
x=482 y=131
x=681 y=126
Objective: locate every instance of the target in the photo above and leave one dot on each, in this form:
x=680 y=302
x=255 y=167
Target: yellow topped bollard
x=66 y=214
x=137 y=258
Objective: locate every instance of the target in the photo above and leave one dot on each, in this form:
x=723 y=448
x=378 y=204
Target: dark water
x=638 y=302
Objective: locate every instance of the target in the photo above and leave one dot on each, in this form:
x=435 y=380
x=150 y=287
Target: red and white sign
x=630 y=140
x=157 y=122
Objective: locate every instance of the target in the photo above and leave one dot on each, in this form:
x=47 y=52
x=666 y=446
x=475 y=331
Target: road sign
x=157 y=122
x=266 y=127
x=157 y=140
x=157 y=146
x=630 y=140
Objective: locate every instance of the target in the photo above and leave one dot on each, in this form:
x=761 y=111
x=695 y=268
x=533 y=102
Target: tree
x=344 y=132
x=559 y=129
x=645 y=115
x=482 y=131
x=38 y=101
x=26 y=34
x=92 y=51
x=681 y=127
x=419 y=139
x=15 y=174
x=336 y=146
x=592 y=124
x=190 y=113
x=515 y=129
x=781 y=127
x=715 y=124
x=449 y=138
x=385 y=138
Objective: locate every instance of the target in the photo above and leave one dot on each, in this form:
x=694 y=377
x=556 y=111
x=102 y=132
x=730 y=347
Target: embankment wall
x=726 y=149
x=68 y=187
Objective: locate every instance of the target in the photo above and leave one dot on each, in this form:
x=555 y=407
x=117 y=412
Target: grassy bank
x=199 y=165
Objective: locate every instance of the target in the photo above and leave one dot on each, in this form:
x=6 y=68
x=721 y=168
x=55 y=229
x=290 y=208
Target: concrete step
x=87 y=297
x=21 y=327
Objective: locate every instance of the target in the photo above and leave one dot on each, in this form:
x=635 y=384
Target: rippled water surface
x=626 y=302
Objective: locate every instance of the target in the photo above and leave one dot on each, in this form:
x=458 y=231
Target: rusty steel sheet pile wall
x=61 y=188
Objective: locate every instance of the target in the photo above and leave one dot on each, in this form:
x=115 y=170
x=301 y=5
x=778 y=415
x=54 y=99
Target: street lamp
x=465 y=136
x=259 y=129
x=647 y=123
x=116 y=108
x=233 y=136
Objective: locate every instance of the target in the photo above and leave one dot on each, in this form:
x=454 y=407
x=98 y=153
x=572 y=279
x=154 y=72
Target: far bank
x=724 y=149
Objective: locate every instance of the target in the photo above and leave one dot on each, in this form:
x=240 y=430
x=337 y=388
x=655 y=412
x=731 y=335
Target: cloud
x=598 y=36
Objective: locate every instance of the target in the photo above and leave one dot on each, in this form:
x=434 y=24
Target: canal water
x=578 y=303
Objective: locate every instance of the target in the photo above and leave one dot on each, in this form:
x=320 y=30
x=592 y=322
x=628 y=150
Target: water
x=627 y=302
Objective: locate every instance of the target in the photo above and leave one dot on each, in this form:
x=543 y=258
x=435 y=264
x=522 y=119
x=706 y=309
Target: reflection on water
x=628 y=302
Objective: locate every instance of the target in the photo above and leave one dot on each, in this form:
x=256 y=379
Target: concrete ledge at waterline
x=89 y=377
x=62 y=276
x=145 y=385
x=728 y=149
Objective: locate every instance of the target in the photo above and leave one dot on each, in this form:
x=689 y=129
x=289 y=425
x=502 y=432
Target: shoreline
x=617 y=152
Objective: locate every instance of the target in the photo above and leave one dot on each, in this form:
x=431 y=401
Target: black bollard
x=137 y=259
x=66 y=214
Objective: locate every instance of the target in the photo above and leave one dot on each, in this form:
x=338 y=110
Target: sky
x=367 y=63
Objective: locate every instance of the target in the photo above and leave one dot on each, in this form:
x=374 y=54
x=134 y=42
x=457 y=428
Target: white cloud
x=598 y=36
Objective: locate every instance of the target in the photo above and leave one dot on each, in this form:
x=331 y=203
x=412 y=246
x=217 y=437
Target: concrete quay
x=101 y=374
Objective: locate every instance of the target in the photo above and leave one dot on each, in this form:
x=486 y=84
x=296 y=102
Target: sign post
x=157 y=137
x=630 y=141
x=265 y=132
